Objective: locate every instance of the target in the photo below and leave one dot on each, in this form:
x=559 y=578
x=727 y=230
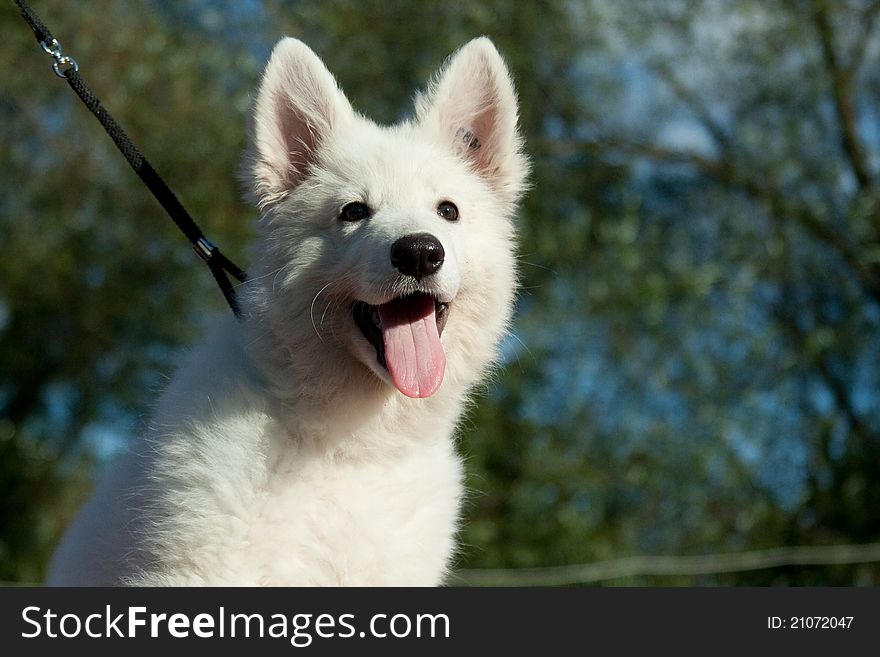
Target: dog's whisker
x=278 y=273
x=326 y=308
x=267 y=274
x=537 y=265
x=312 y=311
x=524 y=345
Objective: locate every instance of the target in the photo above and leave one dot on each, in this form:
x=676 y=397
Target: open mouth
x=406 y=335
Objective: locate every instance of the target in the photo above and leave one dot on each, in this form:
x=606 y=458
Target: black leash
x=66 y=67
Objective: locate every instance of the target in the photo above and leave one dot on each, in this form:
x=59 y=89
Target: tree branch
x=842 y=89
x=648 y=566
x=692 y=101
x=867 y=22
x=780 y=207
x=837 y=387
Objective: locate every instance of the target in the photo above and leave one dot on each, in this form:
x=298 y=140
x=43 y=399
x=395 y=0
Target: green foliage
x=694 y=366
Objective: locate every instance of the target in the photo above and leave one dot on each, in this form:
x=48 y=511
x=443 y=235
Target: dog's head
x=392 y=244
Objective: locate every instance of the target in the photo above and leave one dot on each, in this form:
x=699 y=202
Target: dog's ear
x=472 y=107
x=297 y=106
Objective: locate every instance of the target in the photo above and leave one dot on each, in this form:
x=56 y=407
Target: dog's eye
x=448 y=211
x=354 y=212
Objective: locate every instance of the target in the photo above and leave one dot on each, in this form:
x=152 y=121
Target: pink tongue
x=413 y=353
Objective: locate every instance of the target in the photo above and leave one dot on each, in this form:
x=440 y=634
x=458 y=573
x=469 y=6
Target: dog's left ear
x=472 y=107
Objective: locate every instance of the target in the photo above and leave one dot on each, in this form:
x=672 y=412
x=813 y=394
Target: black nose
x=417 y=255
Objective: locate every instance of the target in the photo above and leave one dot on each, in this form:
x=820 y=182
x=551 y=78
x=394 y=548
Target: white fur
x=281 y=454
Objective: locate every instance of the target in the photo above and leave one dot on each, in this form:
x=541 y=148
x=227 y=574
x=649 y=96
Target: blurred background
x=691 y=393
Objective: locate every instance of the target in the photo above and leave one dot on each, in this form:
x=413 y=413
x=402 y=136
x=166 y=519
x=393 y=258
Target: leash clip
x=204 y=248
x=53 y=49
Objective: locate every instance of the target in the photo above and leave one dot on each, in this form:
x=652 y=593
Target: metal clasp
x=204 y=248
x=54 y=50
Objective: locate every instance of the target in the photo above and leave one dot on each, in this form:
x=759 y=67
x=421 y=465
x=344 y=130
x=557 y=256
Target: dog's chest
x=390 y=521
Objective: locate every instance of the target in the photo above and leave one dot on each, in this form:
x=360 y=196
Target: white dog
x=311 y=442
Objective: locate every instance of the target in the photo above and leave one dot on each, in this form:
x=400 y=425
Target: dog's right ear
x=297 y=106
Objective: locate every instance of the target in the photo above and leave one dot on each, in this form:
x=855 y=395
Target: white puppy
x=311 y=442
